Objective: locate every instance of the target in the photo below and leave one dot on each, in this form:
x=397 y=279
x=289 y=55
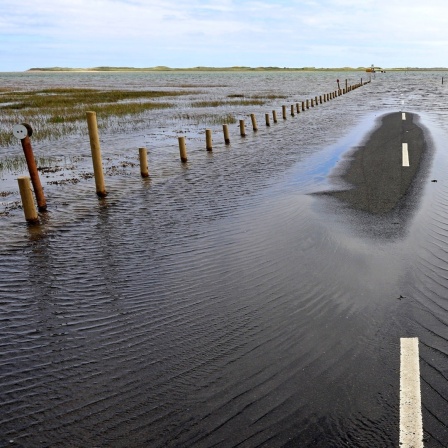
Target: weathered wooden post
x=242 y=129
x=298 y=108
x=96 y=154
x=307 y=104
x=312 y=102
x=303 y=106
x=208 y=140
x=182 y=150
x=284 y=112
x=143 y=156
x=320 y=99
x=254 y=122
x=23 y=132
x=266 y=116
x=346 y=86
x=29 y=208
x=292 y=110
x=274 y=116
x=225 y=130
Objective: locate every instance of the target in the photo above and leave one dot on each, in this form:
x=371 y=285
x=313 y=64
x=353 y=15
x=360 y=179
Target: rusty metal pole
x=23 y=132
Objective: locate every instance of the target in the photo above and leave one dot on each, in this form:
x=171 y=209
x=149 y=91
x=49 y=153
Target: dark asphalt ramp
x=375 y=169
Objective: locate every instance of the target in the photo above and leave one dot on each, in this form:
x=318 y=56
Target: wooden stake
x=292 y=110
x=182 y=150
x=274 y=116
x=225 y=129
x=284 y=112
x=242 y=129
x=96 y=154
x=143 y=156
x=266 y=116
x=29 y=208
x=208 y=140
x=254 y=122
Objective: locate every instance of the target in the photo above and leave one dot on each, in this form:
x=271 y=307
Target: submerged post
x=143 y=156
x=96 y=154
x=208 y=140
x=182 y=150
x=29 y=208
x=225 y=130
x=23 y=132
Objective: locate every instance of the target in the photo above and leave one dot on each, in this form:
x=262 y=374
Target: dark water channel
x=222 y=304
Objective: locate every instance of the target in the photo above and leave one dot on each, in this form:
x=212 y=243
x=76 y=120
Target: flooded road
x=224 y=304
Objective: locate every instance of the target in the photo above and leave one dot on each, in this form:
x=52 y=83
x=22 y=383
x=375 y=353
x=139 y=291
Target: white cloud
x=227 y=32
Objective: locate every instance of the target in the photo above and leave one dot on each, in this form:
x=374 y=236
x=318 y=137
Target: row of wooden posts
x=24 y=182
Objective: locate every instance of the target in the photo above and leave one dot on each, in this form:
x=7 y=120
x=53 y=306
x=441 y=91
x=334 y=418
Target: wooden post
x=29 y=208
x=143 y=156
x=320 y=99
x=298 y=108
x=315 y=100
x=208 y=140
x=274 y=116
x=242 y=129
x=312 y=102
x=266 y=116
x=284 y=112
x=182 y=150
x=96 y=154
x=225 y=129
x=292 y=110
x=346 y=86
x=303 y=106
x=254 y=122
x=307 y=104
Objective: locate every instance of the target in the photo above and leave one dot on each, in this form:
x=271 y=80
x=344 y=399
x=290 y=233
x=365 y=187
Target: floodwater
x=221 y=303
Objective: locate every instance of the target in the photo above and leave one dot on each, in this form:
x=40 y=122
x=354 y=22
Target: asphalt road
x=376 y=169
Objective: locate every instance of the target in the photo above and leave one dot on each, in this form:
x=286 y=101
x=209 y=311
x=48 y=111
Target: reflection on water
x=219 y=304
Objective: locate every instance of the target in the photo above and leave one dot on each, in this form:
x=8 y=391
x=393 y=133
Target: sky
x=225 y=33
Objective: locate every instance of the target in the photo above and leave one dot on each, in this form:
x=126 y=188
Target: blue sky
x=179 y=33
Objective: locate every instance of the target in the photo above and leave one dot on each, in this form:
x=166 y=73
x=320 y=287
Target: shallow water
x=220 y=303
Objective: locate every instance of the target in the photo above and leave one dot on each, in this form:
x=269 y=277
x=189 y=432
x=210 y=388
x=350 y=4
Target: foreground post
x=274 y=116
x=242 y=129
x=96 y=154
x=225 y=129
x=23 y=132
x=143 y=156
x=208 y=140
x=182 y=150
x=254 y=122
x=27 y=200
x=266 y=116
